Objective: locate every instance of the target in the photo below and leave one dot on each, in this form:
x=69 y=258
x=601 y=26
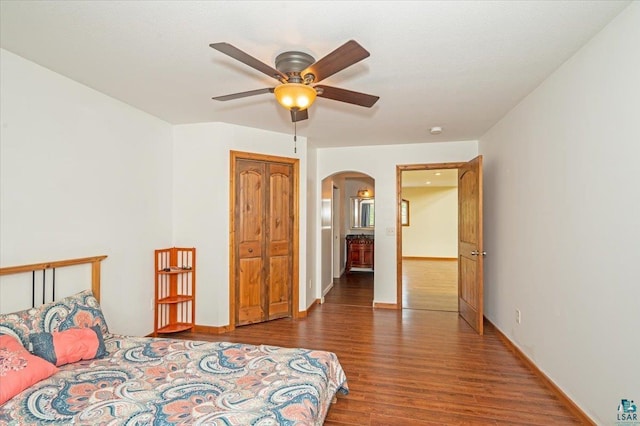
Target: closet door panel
x=279 y=236
x=279 y=287
x=250 y=273
x=250 y=292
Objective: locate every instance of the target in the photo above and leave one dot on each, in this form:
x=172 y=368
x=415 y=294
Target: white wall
x=380 y=162
x=326 y=236
x=308 y=240
x=562 y=221
x=201 y=204
x=433 y=222
x=82 y=174
x=339 y=231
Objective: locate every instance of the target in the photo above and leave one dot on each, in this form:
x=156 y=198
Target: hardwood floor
x=426 y=284
x=354 y=288
x=412 y=367
x=430 y=284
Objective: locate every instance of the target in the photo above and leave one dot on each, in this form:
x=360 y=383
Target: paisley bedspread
x=149 y=381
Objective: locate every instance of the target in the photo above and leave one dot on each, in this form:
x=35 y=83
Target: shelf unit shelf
x=174 y=270
x=175 y=299
x=175 y=290
x=175 y=328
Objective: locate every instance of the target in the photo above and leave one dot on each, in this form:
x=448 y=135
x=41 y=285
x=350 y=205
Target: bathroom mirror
x=362 y=213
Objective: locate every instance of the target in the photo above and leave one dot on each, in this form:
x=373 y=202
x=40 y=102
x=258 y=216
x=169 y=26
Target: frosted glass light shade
x=295 y=95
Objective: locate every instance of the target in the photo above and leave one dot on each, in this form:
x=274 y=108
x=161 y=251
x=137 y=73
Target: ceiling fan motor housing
x=292 y=63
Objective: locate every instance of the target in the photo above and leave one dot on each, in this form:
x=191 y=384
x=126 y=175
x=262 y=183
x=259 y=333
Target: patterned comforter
x=146 y=381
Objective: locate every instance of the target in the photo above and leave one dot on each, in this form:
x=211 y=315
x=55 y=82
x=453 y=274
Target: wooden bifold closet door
x=264 y=233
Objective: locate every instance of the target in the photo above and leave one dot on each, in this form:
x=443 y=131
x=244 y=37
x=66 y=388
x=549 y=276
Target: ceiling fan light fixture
x=295 y=95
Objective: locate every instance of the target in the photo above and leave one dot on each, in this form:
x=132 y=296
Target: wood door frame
x=399 y=169
x=295 y=279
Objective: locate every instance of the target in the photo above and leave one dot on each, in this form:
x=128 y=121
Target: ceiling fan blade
x=341 y=58
x=299 y=115
x=247 y=59
x=243 y=94
x=347 y=96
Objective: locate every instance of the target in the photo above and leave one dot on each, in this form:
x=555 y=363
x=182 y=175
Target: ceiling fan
x=297 y=71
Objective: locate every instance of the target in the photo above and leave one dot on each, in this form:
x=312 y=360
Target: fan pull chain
x=295 y=137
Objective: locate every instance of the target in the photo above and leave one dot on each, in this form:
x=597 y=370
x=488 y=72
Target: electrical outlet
x=518 y=316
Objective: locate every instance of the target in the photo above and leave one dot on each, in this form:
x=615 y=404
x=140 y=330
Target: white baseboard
x=327 y=290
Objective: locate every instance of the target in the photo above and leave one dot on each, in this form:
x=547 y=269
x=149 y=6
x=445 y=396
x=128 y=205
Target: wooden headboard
x=95 y=269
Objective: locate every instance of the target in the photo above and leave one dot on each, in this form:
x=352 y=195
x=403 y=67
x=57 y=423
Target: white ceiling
x=457 y=64
x=430 y=178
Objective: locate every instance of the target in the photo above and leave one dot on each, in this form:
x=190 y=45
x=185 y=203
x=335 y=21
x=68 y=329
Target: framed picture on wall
x=404 y=212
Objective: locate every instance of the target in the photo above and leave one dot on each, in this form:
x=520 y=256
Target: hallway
x=427 y=284
x=354 y=288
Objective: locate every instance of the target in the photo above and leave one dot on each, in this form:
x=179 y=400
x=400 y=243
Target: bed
x=126 y=380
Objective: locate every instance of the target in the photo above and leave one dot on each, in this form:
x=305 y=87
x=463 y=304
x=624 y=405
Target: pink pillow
x=19 y=369
x=68 y=346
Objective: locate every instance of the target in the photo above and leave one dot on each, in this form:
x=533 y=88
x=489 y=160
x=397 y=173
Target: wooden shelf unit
x=175 y=290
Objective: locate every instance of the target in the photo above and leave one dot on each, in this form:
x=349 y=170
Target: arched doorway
x=348 y=210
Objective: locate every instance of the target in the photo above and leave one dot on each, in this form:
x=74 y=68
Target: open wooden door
x=470 y=247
